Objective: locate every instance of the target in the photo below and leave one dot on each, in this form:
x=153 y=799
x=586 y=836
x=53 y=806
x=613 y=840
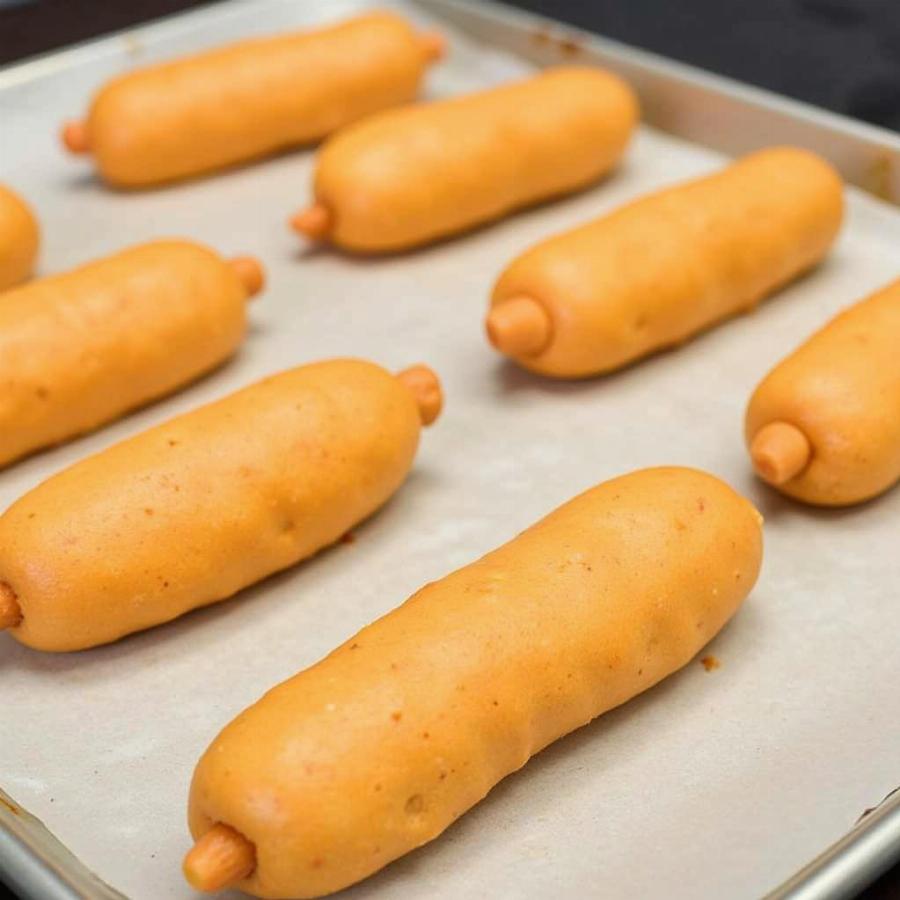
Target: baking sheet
x=712 y=784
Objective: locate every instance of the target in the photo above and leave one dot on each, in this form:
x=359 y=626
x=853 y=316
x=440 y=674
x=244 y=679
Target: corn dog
x=376 y=749
x=84 y=347
x=413 y=175
x=824 y=425
x=19 y=239
x=193 y=510
x=250 y=99
x=657 y=271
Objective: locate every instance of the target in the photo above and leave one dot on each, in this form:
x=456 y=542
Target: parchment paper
x=713 y=784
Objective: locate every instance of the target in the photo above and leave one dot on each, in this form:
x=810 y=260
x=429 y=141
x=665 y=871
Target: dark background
x=840 y=54
x=843 y=55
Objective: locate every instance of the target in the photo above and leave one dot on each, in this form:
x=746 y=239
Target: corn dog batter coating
x=251 y=99
x=82 y=348
x=379 y=747
x=824 y=425
x=19 y=239
x=193 y=510
x=658 y=270
x=414 y=175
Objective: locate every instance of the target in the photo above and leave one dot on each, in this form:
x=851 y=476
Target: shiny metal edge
x=853 y=862
x=677 y=98
x=688 y=102
x=36 y=864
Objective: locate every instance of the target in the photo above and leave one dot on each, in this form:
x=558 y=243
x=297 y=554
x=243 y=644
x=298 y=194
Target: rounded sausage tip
x=10 y=611
x=75 y=137
x=519 y=326
x=434 y=45
x=221 y=858
x=313 y=223
x=425 y=387
x=250 y=273
x=780 y=451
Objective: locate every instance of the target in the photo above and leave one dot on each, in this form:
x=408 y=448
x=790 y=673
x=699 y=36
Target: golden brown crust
x=656 y=271
x=417 y=174
x=19 y=239
x=841 y=390
x=193 y=510
x=82 y=348
x=378 y=747
x=251 y=99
